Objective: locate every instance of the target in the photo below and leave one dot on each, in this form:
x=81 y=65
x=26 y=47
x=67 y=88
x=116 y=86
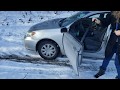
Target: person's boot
x=100 y=73
x=117 y=77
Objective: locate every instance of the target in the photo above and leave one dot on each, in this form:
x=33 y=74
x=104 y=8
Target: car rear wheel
x=48 y=50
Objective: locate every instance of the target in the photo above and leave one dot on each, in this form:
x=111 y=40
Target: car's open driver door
x=73 y=50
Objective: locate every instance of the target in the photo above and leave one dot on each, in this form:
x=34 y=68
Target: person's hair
x=116 y=14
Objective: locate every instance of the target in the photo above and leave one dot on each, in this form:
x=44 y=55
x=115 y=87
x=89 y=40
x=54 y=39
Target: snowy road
x=22 y=69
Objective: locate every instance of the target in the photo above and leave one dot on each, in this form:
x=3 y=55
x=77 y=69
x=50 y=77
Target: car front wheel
x=48 y=50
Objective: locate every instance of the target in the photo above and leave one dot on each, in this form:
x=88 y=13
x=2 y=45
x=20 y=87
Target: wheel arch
x=46 y=39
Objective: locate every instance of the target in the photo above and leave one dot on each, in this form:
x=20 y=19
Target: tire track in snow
x=27 y=59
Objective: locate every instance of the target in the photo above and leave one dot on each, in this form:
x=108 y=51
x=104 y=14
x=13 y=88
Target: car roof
x=95 y=12
x=99 y=11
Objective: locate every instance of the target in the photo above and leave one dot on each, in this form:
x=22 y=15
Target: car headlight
x=30 y=34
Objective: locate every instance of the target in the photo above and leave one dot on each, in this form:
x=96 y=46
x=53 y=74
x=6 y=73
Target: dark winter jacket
x=105 y=22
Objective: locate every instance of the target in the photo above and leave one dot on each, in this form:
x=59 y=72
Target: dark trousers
x=107 y=60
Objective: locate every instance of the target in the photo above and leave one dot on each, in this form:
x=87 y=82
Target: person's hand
x=96 y=20
x=117 y=32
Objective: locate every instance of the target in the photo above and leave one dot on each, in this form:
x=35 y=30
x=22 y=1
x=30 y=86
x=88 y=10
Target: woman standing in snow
x=113 y=45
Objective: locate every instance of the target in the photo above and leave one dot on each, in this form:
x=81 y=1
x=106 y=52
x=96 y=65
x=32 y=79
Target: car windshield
x=66 y=21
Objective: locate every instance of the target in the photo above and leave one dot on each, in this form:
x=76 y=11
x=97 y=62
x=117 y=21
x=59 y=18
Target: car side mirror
x=63 y=30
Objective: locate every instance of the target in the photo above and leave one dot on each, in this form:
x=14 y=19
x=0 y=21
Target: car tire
x=48 y=50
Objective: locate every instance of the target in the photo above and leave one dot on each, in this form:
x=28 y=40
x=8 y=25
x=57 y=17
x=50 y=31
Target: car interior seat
x=94 y=43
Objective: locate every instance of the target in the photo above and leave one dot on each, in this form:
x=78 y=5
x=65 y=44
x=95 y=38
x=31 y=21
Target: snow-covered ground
x=13 y=27
x=13 y=69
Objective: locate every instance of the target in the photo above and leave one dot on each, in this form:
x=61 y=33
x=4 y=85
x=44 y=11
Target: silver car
x=46 y=37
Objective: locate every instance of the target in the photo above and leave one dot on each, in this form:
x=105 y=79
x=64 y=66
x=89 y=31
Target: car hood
x=47 y=25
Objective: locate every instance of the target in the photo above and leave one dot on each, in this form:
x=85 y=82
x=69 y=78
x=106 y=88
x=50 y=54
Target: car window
x=78 y=28
x=73 y=18
x=95 y=16
x=105 y=15
x=101 y=15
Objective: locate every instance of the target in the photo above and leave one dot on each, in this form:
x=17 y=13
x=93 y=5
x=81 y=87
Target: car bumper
x=29 y=43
